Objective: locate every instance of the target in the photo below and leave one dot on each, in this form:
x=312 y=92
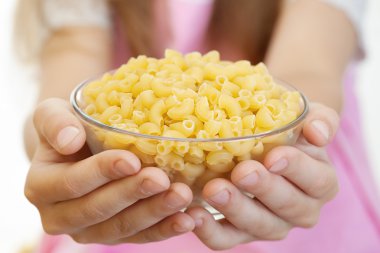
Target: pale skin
x=108 y=198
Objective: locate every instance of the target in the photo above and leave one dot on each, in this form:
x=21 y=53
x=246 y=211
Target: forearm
x=69 y=56
x=311 y=48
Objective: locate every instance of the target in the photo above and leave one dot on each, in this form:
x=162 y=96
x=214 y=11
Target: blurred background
x=19 y=220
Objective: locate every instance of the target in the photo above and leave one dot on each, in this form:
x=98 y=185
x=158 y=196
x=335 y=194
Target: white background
x=19 y=221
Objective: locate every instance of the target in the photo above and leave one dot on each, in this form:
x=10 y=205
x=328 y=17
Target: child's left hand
x=290 y=188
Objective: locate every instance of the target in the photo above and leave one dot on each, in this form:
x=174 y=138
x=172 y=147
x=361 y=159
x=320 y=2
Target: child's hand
x=290 y=189
x=105 y=198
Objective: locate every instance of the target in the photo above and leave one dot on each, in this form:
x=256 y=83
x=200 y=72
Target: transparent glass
x=184 y=159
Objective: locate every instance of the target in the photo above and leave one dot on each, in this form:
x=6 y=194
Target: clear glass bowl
x=180 y=157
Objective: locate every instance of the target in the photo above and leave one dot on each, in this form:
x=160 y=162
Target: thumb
x=320 y=125
x=58 y=127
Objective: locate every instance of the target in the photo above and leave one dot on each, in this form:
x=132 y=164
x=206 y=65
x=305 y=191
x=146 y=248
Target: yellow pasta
x=146 y=98
x=156 y=112
x=181 y=111
x=202 y=109
x=221 y=168
x=212 y=127
x=264 y=118
x=161 y=87
x=101 y=102
x=230 y=105
x=108 y=112
x=219 y=157
x=181 y=148
x=146 y=146
x=146 y=159
x=191 y=96
x=165 y=147
x=90 y=109
x=192 y=171
x=195 y=155
x=257 y=101
x=139 y=117
x=115 y=118
x=208 y=146
x=186 y=127
x=182 y=94
x=212 y=56
x=126 y=107
x=210 y=92
x=249 y=121
x=150 y=129
x=196 y=73
x=230 y=88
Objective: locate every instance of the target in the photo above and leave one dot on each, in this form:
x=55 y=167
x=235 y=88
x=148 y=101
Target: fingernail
x=249 y=180
x=148 y=187
x=124 y=168
x=198 y=222
x=66 y=136
x=179 y=228
x=279 y=165
x=221 y=198
x=174 y=200
x=321 y=127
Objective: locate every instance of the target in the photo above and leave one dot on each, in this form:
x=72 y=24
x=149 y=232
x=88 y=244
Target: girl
x=108 y=199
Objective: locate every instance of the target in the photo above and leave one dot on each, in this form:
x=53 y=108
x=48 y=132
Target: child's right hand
x=104 y=198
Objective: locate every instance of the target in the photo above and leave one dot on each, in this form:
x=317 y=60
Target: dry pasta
x=191 y=96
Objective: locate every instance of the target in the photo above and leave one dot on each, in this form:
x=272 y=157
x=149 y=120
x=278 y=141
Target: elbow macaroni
x=191 y=96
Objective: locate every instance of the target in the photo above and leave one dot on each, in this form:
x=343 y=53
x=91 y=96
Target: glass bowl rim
x=92 y=121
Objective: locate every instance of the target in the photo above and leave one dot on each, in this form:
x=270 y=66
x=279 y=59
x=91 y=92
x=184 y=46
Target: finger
x=243 y=212
x=104 y=202
x=57 y=126
x=171 y=226
x=217 y=235
x=277 y=194
x=316 y=178
x=60 y=182
x=320 y=125
x=141 y=215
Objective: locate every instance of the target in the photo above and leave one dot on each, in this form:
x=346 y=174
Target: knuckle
x=31 y=192
x=50 y=227
x=322 y=184
x=92 y=212
x=309 y=221
x=263 y=187
x=105 y=168
x=69 y=187
x=151 y=236
x=289 y=205
x=266 y=230
x=163 y=210
x=54 y=223
x=261 y=226
x=31 y=195
x=123 y=227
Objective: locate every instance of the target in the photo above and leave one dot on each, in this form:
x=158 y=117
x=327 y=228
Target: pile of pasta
x=192 y=98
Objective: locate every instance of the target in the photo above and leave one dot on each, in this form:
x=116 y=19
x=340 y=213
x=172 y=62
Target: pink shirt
x=348 y=224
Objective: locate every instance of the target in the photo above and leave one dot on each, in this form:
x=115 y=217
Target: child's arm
x=104 y=198
x=311 y=49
